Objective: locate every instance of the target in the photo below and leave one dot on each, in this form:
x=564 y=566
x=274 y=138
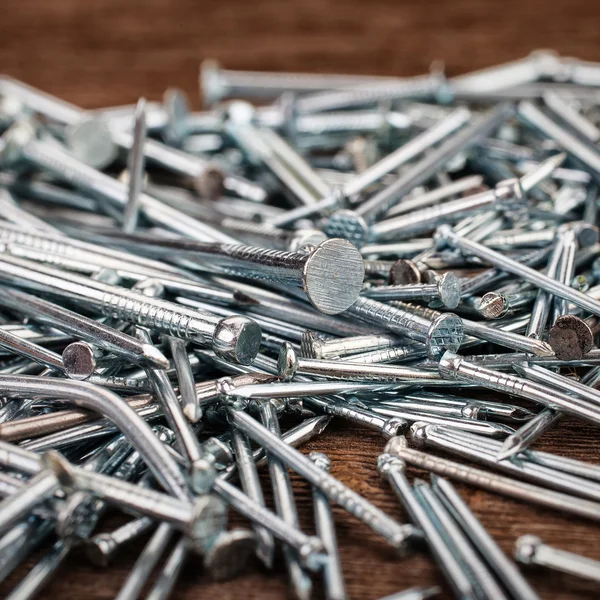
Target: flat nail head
x=321 y=460
x=208 y=520
x=449 y=290
x=404 y=272
x=210 y=183
x=570 y=338
x=493 y=305
x=230 y=553
x=90 y=142
x=347 y=224
x=386 y=461
x=99 y=549
x=394 y=426
x=287 y=362
x=79 y=361
x=333 y=276
x=238 y=339
x=525 y=548
x=446 y=333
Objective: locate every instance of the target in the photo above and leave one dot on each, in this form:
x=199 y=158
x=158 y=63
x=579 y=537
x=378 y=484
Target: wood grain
x=100 y=53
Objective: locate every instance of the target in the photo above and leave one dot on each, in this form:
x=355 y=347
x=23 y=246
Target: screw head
x=287 y=362
x=347 y=224
x=333 y=276
x=238 y=339
x=79 y=360
x=230 y=553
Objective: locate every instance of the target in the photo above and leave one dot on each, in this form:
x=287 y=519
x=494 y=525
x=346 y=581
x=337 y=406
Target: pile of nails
x=380 y=250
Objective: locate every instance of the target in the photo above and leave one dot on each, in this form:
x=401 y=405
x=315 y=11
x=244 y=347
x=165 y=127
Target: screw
x=504 y=568
x=331 y=274
x=530 y=550
x=446 y=290
x=444 y=332
x=237 y=338
x=397 y=535
x=528 y=433
x=392 y=469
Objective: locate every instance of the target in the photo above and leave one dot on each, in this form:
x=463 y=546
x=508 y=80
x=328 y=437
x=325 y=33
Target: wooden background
x=111 y=52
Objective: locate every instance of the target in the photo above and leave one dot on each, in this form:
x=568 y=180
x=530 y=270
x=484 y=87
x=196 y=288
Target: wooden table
x=107 y=53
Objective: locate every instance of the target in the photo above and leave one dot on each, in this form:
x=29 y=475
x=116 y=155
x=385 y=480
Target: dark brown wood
x=111 y=52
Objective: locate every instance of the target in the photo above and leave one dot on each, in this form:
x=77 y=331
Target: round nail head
x=348 y=225
x=238 y=339
x=79 y=360
x=333 y=276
